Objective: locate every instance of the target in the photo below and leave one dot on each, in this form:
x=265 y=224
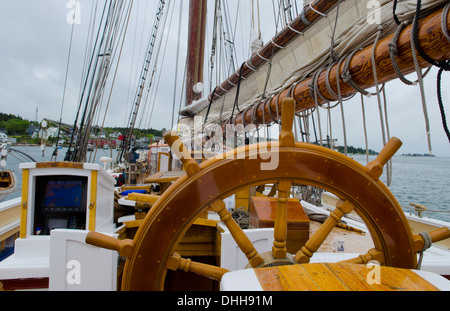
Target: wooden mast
x=431 y=39
x=196 y=48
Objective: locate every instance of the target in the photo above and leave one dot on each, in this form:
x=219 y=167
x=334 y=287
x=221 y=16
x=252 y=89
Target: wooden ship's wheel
x=152 y=251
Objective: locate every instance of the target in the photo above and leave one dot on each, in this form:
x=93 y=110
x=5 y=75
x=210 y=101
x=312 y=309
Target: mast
x=196 y=49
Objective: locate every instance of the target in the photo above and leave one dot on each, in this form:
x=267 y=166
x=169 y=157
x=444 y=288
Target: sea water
x=420 y=180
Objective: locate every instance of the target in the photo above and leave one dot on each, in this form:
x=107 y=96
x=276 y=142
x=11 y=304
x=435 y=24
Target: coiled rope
x=427 y=244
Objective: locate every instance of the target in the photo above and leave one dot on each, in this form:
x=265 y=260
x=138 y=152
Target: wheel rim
x=218 y=178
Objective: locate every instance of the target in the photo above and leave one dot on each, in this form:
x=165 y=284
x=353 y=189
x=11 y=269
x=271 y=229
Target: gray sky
x=34 y=46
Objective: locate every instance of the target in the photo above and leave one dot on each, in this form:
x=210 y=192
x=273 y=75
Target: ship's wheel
x=152 y=251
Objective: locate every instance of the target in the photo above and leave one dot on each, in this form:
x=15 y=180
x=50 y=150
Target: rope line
x=421 y=85
x=380 y=108
x=427 y=244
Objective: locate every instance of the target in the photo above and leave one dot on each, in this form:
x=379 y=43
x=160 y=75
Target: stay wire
x=441 y=105
x=55 y=152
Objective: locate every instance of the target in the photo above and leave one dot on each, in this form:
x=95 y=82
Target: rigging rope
x=393 y=53
x=55 y=152
x=415 y=38
x=397 y=21
x=441 y=105
x=115 y=73
x=73 y=155
x=421 y=85
x=380 y=108
x=427 y=244
x=176 y=65
x=442 y=65
x=365 y=128
x=144 y=73
x=441 y=70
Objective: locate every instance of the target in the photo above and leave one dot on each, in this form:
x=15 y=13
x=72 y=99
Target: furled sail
x=324 y=33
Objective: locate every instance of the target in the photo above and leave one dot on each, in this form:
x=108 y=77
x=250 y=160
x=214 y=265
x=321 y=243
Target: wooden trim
x=221 y=178
x=93 y=199
x=24 y=284
x=60 y=165
x=24 y=208
x=339 y=277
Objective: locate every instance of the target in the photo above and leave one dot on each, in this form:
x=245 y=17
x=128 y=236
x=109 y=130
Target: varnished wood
x=279 y=249
x=124 y=247
x=339 y=277
x=196 y=47
x=354 y=242
x=93 y=201
x=200 y=240
x=372 y=255
x=136 y=187
x=435 y=235
x=140 y=197
x=376 y=166
x=239 y=236
x=24 y=203
x=175 y=262
x=60 y=165
x=190 y=165
x=165 y=177
x=297 y=164
x=288 y=112
x=431 y=40
x=219 y=178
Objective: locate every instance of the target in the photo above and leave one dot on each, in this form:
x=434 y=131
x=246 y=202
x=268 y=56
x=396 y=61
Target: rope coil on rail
x=427 y=244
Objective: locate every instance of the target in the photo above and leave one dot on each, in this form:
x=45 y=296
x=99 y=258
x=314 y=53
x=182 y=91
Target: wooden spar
x=290 y=32
x=431 y=40
x=196 y=48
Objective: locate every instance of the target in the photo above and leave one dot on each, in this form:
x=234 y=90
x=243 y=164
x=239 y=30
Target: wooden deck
x=354 y=242
x=340 y=277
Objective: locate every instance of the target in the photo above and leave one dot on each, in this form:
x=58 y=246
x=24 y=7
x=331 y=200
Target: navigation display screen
x=63 y=193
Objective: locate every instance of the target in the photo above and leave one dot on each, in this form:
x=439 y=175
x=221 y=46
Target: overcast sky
x=34 y=45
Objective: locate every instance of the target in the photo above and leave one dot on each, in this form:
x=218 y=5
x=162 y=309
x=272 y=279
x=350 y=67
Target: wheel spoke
x=287 y=139
x=312 y=245
x=176 y=145
x=175 y=262
x=363 y=259
x=279 y=249
x=237 y=233
x=376 y=166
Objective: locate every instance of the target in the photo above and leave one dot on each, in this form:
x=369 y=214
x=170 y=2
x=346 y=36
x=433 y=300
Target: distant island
x=418 y=155
x=25 y=132
x=354 y=150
